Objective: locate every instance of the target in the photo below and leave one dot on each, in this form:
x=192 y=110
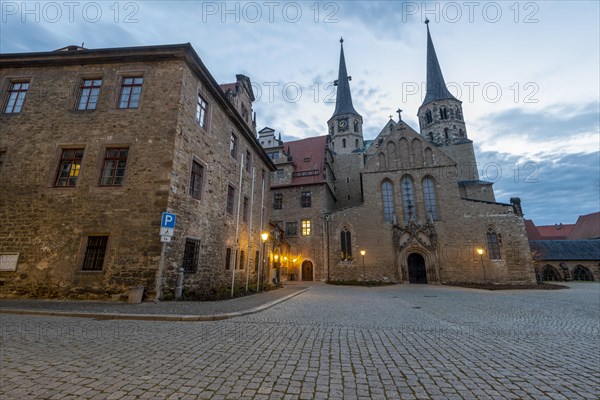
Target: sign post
x=167 y=227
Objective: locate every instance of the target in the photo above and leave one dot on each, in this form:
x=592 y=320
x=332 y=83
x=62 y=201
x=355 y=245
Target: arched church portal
x=417 y=272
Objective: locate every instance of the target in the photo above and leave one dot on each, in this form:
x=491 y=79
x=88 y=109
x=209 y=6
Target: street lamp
x=480 y=252
x=362 y=253
x=264 y=236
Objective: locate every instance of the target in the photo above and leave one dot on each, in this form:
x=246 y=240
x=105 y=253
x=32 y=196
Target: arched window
x=581 y=273
x=428 y=117
x=446 y=134
x=387 y=193
x=443 y=113
x=550 y=274
x=346 y=242
x=431 y=209
x=493 y=245
x=344 y=143
x=356 y=143
x=408 y=197
x=355 y=126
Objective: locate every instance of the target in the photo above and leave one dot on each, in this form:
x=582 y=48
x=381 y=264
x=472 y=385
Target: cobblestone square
x=331 y=342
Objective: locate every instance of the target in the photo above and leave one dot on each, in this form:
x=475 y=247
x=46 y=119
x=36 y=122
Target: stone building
x=411 y=200
x=96 y=144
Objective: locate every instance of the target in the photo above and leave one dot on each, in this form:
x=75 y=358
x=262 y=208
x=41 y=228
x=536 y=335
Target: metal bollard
x=179 y=288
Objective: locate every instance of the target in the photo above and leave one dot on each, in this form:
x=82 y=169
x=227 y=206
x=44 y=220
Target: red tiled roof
x=308 y=156
x=531 y=229
x=555 y=232
x=586 y=227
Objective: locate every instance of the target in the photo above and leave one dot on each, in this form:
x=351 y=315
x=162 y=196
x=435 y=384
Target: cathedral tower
x=345 y=125
x=441 y=118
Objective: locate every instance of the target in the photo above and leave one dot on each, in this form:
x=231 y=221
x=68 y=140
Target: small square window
x=95 y=253
x=113 y=169
x=69 y=167
x=131 y=90
x=89 y=92
x=16 y=97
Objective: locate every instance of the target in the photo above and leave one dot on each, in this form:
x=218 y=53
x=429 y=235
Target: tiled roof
x=586 y=227
x=555 y=232
x=566 y=249
x=308 y=156
x=531 y=229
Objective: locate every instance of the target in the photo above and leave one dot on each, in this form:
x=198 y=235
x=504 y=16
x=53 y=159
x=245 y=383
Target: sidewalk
x=150 y=311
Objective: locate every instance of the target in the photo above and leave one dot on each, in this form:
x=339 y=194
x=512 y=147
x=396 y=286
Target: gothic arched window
x=356 y=143
x=355 y=126
x=346 y=242
x=408 y=199
x=431 y=209
x=443 y=113
x=344 y=143
x=493 y=245
x=387 y=193
x=428 y=117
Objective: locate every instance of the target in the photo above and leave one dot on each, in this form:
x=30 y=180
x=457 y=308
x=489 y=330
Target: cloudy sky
x=527 y=72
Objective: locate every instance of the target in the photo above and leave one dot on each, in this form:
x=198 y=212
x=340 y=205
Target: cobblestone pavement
x=331 y=342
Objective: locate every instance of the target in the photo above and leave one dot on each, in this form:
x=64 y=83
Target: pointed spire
x=343 y=101
x=436 y=86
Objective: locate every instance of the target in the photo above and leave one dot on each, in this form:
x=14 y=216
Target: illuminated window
x=16 y=97
x=68 y=170
x=201 y=109
x=88 y=94
x=113 y=169
x=131 y=90
x=305 y=227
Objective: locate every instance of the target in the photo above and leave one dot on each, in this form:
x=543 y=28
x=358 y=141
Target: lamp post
x=264 y=236
x=480 y=252
x=276 y=268
x=362 y=253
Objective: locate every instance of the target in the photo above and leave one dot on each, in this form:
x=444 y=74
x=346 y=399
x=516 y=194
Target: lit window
x=191 y=254
x=196 y=180
x=95 y=253
x=201 y=108
x=16 y=97
x=305 y=227
x=230 y=199
x=306 y=199
x=70 y=165
x=387 y=193
x=88 y=94
x=113 y=169
x=131 y=90
x=430 y=201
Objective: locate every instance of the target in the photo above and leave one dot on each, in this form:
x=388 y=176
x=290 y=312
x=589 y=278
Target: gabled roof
x=586 y=227
x=308 y=156
x=555 y=232
x=566 y=249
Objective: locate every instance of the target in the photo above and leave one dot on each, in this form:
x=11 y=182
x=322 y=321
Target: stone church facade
x=411 y=200
x=96 y=144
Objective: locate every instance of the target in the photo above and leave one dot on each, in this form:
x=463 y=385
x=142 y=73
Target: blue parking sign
x=168 y=220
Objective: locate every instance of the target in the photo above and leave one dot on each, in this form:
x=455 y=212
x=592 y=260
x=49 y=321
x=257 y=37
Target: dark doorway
x=416 y=269
x=307 y=271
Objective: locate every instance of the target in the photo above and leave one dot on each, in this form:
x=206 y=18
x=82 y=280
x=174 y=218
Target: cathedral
x=406 y=207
